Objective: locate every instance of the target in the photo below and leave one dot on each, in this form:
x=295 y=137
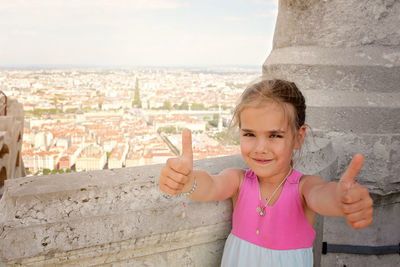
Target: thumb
x=187 y=151
x=349 y=176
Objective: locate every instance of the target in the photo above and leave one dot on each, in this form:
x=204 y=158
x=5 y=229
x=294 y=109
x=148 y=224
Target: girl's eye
x=275 y=136
x=248 y=134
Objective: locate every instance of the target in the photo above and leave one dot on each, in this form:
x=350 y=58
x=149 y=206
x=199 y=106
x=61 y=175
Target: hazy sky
x=136 y=32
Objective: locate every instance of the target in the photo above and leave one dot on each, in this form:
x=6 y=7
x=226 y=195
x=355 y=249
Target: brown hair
x=279 y=91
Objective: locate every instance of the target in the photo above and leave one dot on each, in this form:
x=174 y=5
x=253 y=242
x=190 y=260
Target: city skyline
x=124 y=33
x=90 y=119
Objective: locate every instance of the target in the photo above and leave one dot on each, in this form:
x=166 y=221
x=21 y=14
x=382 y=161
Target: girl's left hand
x=354 y=199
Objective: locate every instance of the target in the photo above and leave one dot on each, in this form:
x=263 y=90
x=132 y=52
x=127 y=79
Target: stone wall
x=345 y=57
x=11 y=133
x=120 y=218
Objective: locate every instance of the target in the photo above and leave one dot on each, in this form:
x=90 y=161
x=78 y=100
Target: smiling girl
x=274 y=204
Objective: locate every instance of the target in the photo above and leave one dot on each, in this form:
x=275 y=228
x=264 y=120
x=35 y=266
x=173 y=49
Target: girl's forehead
x=266 y=115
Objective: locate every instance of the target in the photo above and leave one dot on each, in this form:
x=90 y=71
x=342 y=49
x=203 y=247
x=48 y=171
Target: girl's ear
x=301 y=135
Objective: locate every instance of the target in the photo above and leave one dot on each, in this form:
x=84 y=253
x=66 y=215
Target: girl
x=274 y=204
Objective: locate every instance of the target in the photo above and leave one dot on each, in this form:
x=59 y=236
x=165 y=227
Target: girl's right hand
x=177 y=175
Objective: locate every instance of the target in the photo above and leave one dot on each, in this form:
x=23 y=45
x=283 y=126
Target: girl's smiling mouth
x=262 y=161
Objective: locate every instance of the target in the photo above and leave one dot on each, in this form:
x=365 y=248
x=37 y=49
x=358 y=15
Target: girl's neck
x=275 y=179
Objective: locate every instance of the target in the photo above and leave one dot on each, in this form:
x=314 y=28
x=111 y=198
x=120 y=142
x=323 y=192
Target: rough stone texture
x=337 y=23
x=119 y=217
x=345 y=57
x=344 y=69
x=11 y=133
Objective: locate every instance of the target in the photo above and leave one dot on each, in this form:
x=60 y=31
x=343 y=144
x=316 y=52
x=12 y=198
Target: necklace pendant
x=257 y=232
x=261 y=210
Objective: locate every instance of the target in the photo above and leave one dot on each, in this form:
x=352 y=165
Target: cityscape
x=91 y=119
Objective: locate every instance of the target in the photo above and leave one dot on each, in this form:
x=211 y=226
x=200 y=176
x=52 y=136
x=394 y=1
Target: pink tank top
x=283 y=227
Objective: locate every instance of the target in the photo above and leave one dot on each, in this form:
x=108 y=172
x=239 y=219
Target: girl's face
x=267 y=141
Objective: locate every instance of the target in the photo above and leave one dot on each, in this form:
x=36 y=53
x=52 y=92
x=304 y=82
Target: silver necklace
x=261 y=208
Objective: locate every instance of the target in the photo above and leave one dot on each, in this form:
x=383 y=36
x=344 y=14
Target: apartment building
x=36 y=161
x=92 y=157
x=118 y=156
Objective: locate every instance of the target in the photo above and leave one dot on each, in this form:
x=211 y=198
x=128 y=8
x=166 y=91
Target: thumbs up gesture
x=177 y=174
x=354 y=199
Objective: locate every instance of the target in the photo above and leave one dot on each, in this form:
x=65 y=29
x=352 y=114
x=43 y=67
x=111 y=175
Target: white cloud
x=271 y=13
x=233 y=18
x=23 y=32
x=129 y=32
x=267 y=2
x=21 y=5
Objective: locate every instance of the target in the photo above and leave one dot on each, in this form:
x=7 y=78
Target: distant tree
x=71 y=110
x=54 y=171
x=224 y=107
x=46 y=171
x=227 y=138
x=87 y=108
x=214 y=121
x=184 y=106
x=68 y=170
x=167 y=129
x=170 y=129
x=136 y=101
x=54 y=101
x=41 y=112
x=197 y=106
x=167 y=105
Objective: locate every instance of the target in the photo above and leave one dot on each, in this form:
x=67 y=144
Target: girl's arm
x=346 y=198
x=177 y=176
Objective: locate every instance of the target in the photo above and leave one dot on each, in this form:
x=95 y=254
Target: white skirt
x=240 y=253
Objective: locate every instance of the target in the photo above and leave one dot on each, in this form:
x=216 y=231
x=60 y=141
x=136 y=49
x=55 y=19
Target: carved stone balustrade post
x=11 y=133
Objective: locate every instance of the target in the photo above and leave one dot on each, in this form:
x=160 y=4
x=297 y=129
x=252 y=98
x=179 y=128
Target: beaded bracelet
x=193 y=188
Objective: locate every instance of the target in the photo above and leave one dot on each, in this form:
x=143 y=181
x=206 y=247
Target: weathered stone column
x=345 y=57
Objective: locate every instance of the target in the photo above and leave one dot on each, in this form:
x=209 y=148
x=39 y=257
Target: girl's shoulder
x=236 y=177
x=243 y=174
x=235 y=174
x=307 y=181
x=307 y=184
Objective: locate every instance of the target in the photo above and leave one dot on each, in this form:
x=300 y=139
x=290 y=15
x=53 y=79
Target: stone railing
x=120 y=217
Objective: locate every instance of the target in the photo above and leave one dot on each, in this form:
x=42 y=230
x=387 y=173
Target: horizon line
x=120 y=66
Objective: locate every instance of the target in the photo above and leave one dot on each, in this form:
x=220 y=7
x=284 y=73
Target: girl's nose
x=261 y=145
